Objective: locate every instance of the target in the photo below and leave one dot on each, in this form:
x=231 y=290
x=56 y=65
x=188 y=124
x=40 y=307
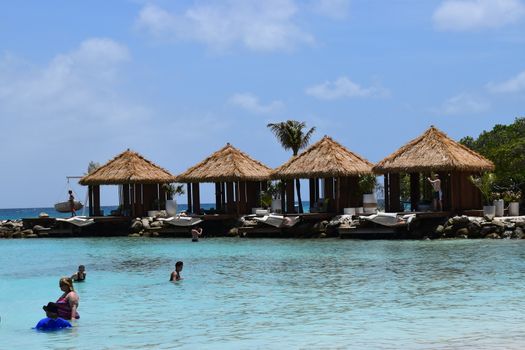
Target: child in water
x=175 y=275
x=80 y=275
x=52 y=322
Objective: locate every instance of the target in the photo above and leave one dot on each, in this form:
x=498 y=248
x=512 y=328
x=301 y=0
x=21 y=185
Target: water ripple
x=270 y=294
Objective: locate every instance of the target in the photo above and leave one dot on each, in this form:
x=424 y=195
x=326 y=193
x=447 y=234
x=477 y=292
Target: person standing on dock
x=437 y=196
x=72 y=203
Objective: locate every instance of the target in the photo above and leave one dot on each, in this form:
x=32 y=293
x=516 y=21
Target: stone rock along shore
x=140 y=227
x=477 y=227
x=147 y=226
x=454 y=227
x=15 y=229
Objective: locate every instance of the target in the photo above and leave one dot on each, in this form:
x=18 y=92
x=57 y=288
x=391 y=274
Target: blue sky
x=176 y=80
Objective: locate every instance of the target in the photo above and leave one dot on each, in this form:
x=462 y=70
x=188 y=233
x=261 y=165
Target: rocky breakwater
x=15 y=229
x=477 y=227
x=146 y=227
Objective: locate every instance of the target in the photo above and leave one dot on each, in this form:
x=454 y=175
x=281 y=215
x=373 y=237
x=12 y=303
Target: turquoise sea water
x=268 y=294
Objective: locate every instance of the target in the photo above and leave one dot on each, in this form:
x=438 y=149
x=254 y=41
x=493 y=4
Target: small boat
x=64 y=207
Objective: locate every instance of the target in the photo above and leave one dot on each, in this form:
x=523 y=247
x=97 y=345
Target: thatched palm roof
x=227 y=164
x=433 y=151
x=326 y=158
x=128 y=168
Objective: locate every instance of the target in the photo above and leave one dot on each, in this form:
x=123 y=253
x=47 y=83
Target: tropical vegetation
x=92 y=166
x=291 y=135
x=505 y=146
x=172 y=190
x=485 y=184
x=367 y=183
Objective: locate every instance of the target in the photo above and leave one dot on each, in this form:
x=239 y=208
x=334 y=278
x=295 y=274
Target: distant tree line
x=505 y=146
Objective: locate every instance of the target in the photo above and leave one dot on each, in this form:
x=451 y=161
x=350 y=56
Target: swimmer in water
x=80 y=275
x=196 y=233
x=175 y=275
x=52 y=322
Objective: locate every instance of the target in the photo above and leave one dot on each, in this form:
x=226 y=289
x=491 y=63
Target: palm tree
x=291 y=136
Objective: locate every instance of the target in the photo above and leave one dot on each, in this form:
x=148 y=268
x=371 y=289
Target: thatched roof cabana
x=139 y=182
x=433 y=151
x=227 y=164
x=326 y=158
x=128 y=168
x=336 y=167
x=238 y=179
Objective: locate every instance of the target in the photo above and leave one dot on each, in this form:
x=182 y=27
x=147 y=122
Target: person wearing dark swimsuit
x=175 y=275
x=80 y=275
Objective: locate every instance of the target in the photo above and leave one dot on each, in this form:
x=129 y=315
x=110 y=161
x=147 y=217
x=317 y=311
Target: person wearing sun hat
x=52 y=322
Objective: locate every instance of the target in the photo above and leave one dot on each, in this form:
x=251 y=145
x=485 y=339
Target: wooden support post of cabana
x=90 y=200
x=354 y=199
x=96 y=200
x=395 y=192
x=150 y=199
x=386 y=188
x=253 y=190
x=313 y=198
x=223 y=197
x=415 y=192
x=329 y=193
x=137 y=196
x=283 y=196
x=190 y=198
x=290 y=196
x=218 y=196
x=344 y=192
x=230 y=198
x=241 y=197
x=338 y=198
x=196 y=200
x=126 y=203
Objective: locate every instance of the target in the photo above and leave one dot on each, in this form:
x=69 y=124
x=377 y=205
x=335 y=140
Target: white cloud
x=336 y=9
x=251 y=103
x=458 y=15
x=60 y=114
x=464 y=104
x=343 y=87
x=75 y=86
x=256 y=25
x=514 y=84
